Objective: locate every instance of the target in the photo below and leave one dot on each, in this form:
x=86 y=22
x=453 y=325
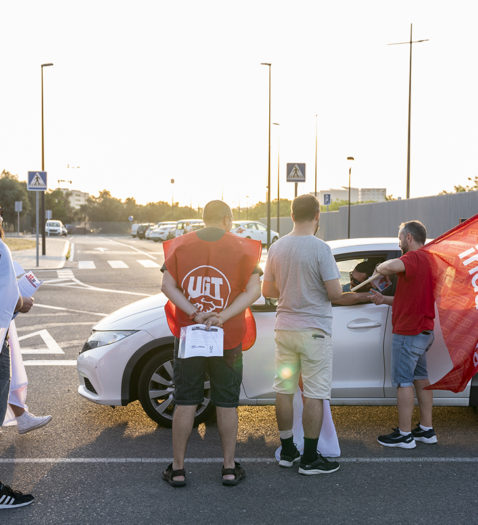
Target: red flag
x=455 y=270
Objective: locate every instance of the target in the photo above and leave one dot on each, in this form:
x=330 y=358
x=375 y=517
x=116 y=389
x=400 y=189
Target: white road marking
x=117 y=264
x=65 y=274
x=147 y=263
x=72 y=252
x=86 y=265
x=135 y=249
x=52 y=346
x=242 y=460
x=50 y=362
x=55 y=325
x=101 y=249
x=99 y=314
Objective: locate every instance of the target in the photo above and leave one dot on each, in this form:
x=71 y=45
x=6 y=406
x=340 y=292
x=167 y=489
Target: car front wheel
x=156 y=390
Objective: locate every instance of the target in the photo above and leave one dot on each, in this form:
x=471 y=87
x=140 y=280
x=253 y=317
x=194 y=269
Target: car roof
x=366 y=244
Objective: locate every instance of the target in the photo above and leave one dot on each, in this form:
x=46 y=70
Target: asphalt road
x=94 y=464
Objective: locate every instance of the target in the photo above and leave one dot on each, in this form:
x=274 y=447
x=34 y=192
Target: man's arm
x=251 y=293
x=24 y=304
x=349 y=298
x=269 y=289
x=390 y=267
x=175 y=294
x=334 y=290
x=378 y=298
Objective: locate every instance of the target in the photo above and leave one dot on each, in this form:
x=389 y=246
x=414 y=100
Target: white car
x=163 y=231
x=129 y=354
x=54 y=227
x=253 y=230
x=187 y=226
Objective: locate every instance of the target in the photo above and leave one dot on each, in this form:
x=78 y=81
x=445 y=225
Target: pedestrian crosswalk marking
x=118 y=264
x=148 y=263
x=86 y=265
x=65 y=274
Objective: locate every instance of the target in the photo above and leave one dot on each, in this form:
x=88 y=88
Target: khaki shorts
x=306 y=352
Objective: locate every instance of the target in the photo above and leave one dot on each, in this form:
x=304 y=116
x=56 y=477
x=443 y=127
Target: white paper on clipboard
x=198 y=341
x=28 y=284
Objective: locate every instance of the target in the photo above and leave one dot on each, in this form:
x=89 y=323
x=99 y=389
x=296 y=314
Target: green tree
x=58 y=202
x=11 y=190
x=459 y=188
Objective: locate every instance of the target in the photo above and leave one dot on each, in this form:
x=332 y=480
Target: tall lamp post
x=315 y=184
x=278 y=178
x=349 y=160
x=410 y=43
x=269 y=65
x=42 y=206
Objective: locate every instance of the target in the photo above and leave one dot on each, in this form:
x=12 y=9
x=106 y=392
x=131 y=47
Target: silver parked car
x=129 y=354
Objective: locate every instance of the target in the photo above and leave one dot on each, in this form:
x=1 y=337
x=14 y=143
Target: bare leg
x=227 y=426
x=183 y=421
x=405 y=407
x=312 y=417
x=425 y=401
x=285 y=411
x=17 y=411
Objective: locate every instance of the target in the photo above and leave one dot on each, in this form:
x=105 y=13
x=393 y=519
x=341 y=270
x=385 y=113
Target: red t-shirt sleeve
x=411 y=262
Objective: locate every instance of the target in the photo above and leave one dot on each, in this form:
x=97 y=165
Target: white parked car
x=253 y=230
x=129 y=354
x=187 y=226
x=54 y=227
x=163 y=231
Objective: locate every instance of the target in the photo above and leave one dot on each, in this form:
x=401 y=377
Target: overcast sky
x=144 y=91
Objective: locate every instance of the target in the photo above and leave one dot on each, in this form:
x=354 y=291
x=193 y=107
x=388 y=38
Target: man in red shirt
x=413 y=313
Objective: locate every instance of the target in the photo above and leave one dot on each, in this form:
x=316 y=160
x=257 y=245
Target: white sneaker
x=27 y=422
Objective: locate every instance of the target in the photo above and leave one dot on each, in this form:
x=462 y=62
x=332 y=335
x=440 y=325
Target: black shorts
x=225 y=375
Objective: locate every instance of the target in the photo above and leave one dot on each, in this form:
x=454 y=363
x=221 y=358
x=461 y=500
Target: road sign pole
x=18 y=222
x=296 y=186
x=37 y=198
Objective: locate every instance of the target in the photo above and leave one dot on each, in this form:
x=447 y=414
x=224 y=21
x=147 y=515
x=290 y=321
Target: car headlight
x=103 y=338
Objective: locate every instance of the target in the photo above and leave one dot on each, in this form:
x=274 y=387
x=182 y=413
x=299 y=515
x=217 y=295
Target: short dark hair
x=416 y=229
x=304 y=208
x=215 y=211
x=366 y=267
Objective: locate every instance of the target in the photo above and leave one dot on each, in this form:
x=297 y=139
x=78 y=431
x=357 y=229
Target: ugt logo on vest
x=207 y=288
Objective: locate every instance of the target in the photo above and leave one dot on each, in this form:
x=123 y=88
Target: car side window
x=260 y=227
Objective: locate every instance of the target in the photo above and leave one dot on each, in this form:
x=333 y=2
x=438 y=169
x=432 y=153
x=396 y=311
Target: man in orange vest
x=210 y=276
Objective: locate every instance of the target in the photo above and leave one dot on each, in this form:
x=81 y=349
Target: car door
x=262 y=233
x=361 y=334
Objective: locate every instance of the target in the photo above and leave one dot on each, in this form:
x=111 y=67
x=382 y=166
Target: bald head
x=217 y=214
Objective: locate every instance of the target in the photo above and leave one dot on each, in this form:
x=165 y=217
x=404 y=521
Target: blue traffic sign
x=36 y=181
x=327 y=199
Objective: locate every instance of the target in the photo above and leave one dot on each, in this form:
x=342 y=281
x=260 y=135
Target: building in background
x=77 y=197
x=356 y=194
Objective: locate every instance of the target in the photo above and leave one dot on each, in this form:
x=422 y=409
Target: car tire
x=156 y=390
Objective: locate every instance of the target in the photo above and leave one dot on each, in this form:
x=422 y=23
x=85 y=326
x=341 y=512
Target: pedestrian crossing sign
x=296 y=172
x=36 y=181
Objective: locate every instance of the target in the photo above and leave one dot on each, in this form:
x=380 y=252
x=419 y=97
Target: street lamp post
x=269 y=65
x=410 y=43
x=42 y=211
x=350 y=160
x=172 y=194
x=278 y=179
x=315 y=185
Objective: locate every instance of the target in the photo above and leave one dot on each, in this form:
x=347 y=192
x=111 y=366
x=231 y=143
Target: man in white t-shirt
x=302 y=273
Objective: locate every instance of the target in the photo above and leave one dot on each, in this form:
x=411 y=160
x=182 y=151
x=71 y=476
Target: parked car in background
x=163 y=231
x=55 y=227
x=147 y=233
x=186 y=226
x=253 y=230
x=141 y=231
x=129 y=354
x=134 y=229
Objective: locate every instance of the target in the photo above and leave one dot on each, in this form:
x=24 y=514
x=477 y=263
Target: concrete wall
x=439 y=214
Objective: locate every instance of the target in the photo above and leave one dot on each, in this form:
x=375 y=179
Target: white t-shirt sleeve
x=327 y=265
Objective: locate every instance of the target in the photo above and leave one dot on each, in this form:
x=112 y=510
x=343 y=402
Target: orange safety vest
x=211 y=274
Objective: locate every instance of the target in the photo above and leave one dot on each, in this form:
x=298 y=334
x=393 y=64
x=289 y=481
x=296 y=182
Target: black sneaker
x=319 y=466
x=11 y=499
x=425 y=436
x=288 y=459
x=395 y=439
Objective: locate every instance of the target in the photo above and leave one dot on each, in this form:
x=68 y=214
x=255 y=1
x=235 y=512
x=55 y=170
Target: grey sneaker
x=425 y=436
x=319 y=466
x=28 y=422
x=288 y=460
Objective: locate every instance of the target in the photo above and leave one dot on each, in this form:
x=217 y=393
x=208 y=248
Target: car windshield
x=55 y=224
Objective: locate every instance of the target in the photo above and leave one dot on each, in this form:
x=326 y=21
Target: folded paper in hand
x=198 y=341
x=28 y=284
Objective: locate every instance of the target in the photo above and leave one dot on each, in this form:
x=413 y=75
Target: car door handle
x=363 y=323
